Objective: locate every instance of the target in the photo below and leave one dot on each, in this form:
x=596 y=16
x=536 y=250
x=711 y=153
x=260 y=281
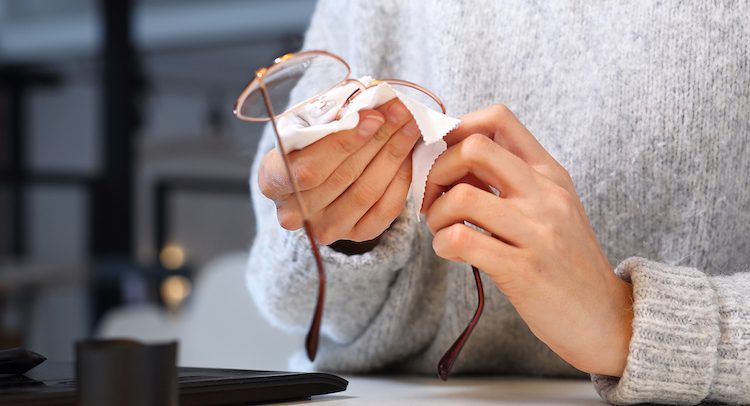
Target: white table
x=495 y=390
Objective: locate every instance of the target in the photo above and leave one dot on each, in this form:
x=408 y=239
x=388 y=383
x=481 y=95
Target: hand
x=354 y=182
x=540 y=249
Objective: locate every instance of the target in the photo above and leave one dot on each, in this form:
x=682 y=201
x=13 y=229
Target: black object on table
x=15 y=361
x=126 y=373
x=54 y=383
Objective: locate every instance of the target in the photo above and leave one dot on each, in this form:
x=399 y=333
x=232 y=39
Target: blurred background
x=124 y=204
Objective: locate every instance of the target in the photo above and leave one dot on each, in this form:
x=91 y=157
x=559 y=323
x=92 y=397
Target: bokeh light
x=174 y=290
x=172 y=256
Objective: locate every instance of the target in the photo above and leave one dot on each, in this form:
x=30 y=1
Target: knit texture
x=647 y=105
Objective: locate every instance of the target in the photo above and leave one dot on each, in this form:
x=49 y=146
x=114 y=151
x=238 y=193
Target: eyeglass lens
x=322 y=72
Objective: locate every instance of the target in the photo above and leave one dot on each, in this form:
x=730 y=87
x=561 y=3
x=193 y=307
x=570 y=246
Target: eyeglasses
x=274 y=89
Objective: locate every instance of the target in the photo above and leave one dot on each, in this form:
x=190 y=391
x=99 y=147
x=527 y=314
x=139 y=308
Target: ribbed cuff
x=356 y=285
x=673 y=350
x=391 y=253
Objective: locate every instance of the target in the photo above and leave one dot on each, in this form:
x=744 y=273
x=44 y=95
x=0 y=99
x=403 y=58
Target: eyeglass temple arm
x=446 y=362
x=313 y=335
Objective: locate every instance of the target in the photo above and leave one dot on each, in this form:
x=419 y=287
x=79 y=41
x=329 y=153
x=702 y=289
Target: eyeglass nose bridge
x=362 y=87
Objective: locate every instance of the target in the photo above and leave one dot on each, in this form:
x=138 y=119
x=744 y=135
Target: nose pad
x=320 y=106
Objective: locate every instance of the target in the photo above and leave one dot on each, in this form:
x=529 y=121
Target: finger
x=483 y=158
x=396 y=115
x=312 y=165
x=468 y=179
x=464 y=202
x=476 y=182
x=500 y=124
x=388 y=208
x=351 y=169
x=368 y=189
x=462 y=243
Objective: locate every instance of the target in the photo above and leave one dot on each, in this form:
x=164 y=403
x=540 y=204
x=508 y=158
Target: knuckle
x=404 y=175
x=265 y=179
x=343 y=176
x=451 y=241
x=364 y=194
x=396 y=151
x=474 y=145
x=346 y=144
x=563 y=173
x=266 y=187
x=289 y=219
x=382 y=135
x=458 y=235
x=460 y=195
x=556 y=173
x=528 y=263
x=562 y=201
x=306 y=175
x=547 y=232
x=565 y=178
x=501 y=112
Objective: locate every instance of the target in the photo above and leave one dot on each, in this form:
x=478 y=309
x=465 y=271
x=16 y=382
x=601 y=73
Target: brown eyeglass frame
x=313 y=335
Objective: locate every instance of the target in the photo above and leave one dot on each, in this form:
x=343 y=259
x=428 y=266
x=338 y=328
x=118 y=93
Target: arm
x=691 y=337
x=536 y=242
x=673 y=334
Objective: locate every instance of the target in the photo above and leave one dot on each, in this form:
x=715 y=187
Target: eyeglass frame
x=312 y=338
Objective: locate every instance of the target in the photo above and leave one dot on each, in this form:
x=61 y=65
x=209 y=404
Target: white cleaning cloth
x=316 y=119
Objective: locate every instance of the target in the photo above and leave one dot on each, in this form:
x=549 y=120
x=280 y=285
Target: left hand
x=541 y=251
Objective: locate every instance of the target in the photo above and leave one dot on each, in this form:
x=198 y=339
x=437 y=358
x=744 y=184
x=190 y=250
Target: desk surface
x=464 y=391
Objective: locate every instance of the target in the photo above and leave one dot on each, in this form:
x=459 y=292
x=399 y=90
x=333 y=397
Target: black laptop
x=54 y=384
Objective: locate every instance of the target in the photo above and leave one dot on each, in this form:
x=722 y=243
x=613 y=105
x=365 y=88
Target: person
x=619 y=243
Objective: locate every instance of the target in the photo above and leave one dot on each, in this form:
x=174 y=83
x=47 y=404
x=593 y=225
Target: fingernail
x=369 y=125
x=397 y=112
x=411 y=129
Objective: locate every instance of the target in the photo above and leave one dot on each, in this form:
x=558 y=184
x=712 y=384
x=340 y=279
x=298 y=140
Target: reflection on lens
x=319 y=72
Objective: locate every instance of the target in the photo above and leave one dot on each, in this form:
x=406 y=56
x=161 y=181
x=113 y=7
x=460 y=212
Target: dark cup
x=126 y=373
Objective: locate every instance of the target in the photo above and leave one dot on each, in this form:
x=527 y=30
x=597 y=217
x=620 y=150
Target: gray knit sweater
x=646 y=103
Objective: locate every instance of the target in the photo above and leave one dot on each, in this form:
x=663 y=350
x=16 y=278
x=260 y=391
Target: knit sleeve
x=691 y=337
x=281 y=273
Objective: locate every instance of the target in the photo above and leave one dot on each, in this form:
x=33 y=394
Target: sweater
x=646 y=104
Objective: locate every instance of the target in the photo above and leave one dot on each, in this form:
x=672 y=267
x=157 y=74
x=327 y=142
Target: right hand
x=353 y=182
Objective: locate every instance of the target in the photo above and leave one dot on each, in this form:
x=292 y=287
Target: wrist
x=615 y=350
